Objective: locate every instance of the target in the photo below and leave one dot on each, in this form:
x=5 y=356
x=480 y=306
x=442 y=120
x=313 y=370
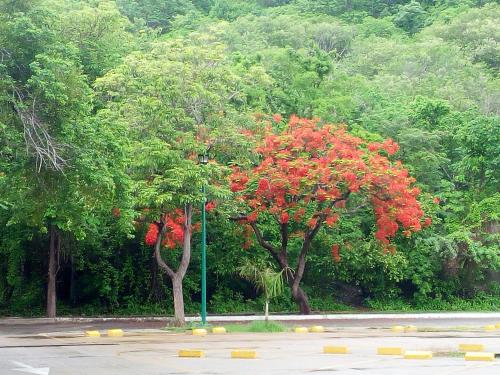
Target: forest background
x=98 y=98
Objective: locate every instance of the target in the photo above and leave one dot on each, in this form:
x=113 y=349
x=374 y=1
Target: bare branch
x=39 y=143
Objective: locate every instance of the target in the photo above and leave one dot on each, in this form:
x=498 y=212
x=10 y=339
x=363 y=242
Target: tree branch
x=157 y=253
x=266 y=245
x=186 y=246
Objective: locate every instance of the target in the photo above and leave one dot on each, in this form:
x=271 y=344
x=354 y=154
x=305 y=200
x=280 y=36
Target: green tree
x=179 y=100
x=47 y=111
x=411 y=17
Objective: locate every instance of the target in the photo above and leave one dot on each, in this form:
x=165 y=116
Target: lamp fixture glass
x=203 y=158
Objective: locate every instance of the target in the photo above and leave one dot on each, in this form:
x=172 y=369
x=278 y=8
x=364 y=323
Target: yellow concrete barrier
x=92 y=333
x=317 y=329
x=330 y=349
x=398 y=329
x=479 y=356
x=191 y=353
x=115 y=333
x=244 y=354
x=218 y=330
x=489 y=327
x=390 y=351
x=199 y=332
x=411 y=329
x=471 y=347
x=301 y=330
x=417 y=355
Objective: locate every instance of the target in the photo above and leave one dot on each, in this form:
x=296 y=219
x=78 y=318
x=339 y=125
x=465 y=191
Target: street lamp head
x=203 y=158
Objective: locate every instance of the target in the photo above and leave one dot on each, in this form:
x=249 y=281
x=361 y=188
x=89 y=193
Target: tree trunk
x=294 y=280
x=266 y=311
x=178 y=301
x=301 y=298
x=178 y=276
x=52 y=272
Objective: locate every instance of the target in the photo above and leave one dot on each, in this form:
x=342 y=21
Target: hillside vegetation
x=105 y=105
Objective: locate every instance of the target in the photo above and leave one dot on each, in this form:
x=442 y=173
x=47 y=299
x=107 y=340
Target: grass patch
x=449 y=354
x=257 y=326
x=447 y=329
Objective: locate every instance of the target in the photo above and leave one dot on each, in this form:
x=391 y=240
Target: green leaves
x=265 y=278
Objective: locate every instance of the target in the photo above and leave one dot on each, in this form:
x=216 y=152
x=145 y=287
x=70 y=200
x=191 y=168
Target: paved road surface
x=154 y=352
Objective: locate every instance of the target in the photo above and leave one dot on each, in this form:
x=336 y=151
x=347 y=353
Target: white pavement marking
x=30 y=370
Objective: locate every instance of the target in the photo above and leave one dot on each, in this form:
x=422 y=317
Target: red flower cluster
x=277 y=117
x=174 y=235
x=210 y=206
x=152 y=234
x=315 y=168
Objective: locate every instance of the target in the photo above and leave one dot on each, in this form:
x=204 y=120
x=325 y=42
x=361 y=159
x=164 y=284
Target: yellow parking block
x=411 y=329
x=390 y=351
x=301 y=330
x=479 y=356
x=398 y=329
x=218 y=330
x=317 y=329
x=244 y=354
x=199 y=332
x=417 y=355
x=92 y=333
x=191 y=353
x=115 y=332
x=497 y=325
x=471 y=347
x=489 y=327
x=329 y=349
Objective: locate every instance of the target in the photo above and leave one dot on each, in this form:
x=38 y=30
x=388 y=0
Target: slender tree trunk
x=72 y=287
x=52 y=272
x=266 y=311
x=179 y=319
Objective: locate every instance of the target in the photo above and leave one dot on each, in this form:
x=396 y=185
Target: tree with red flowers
x=306 y=179
x=173 y=230
x=171 y=196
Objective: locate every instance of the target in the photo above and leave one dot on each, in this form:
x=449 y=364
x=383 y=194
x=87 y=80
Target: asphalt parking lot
x=152 y=351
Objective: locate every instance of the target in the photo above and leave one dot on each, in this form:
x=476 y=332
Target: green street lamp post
x=203 y=161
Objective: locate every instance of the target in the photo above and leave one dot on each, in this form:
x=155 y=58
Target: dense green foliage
x=105 y=104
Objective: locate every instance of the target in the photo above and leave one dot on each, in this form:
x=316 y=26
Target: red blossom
x=310 y=165
x=390 y=146
x=277 y=117
x=331 y=220
x=152 y=235
x=252 y=217
x=263 y=185
x=210 y=206
x=312 y=222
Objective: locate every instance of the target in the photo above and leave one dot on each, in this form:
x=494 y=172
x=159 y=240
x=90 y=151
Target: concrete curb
x=249 y=318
